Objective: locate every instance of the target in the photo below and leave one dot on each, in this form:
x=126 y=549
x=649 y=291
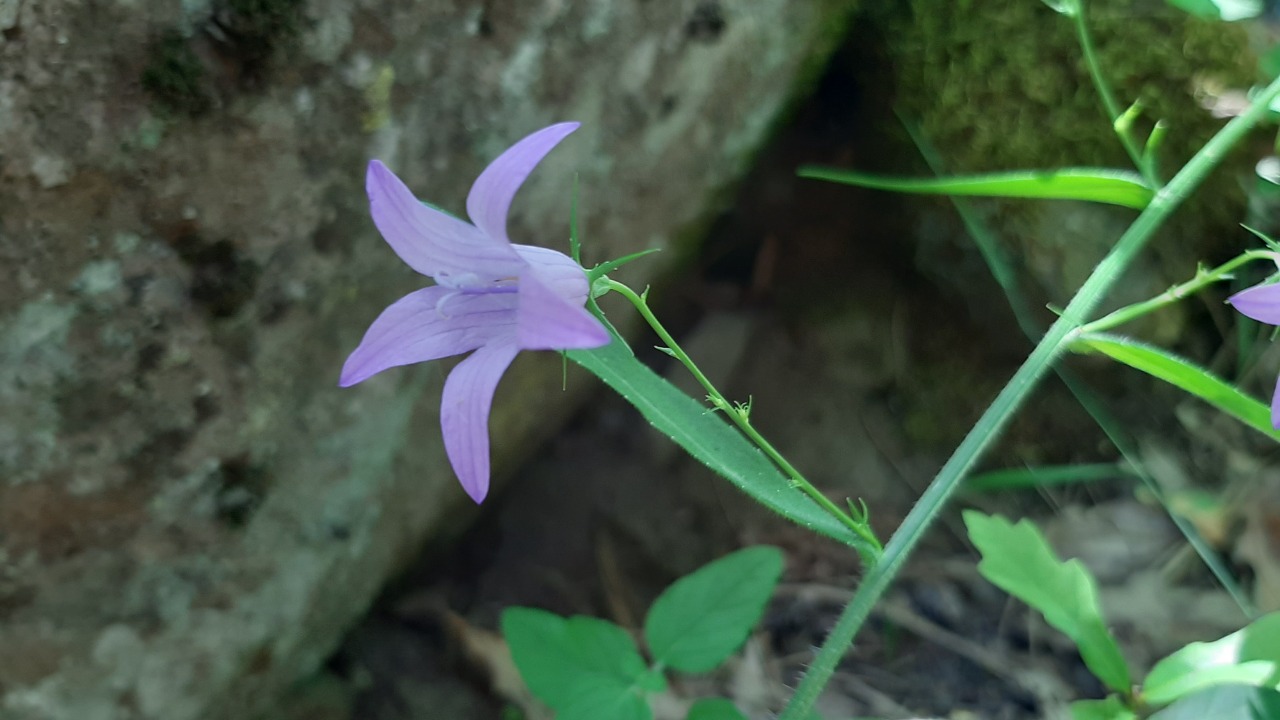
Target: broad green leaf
x=1225 y=702
x=597 y=697
x=1183 y=374
x=582 y=667
x=1112 y=708
x=1227 y=10
x=714 y=709
x=1250 y=656
x=653 y=681
x=1017 y=559
x=1114 y=187
x=709 y=439
x=699 y=621
x=1034 y=477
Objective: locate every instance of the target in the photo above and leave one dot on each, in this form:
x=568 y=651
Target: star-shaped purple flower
x=491 y=296
x=1262 y=303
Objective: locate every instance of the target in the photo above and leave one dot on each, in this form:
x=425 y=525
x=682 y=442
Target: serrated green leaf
x=714 y=709
x=582 y=667
x=1249 y=656
x=699 y=621
x=1225 y=702
x=709 y=439
x=1181 y=373
x=1113 y=187
x=1112 y=708
x=1017 y=559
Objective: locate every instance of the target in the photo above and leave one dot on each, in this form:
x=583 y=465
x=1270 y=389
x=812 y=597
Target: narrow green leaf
x=1017 y=559
x=1181 y=373
x=1250 y=656
x=709 y=439
x=1112 y=708
x=582 y=667
x=1226 y=10
x=1114 y=187
x=1225 y=702
x=1034 y=477
x=699 y=621
x=714 y=709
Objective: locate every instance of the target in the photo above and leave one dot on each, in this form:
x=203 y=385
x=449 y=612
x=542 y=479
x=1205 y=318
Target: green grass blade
x=1113 y=187
x=1036 y=477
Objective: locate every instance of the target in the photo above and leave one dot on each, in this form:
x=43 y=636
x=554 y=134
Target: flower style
x=1262 y=303
x=491 y=296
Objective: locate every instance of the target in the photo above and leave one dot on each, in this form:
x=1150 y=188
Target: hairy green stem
x=740 y=417
x=1104 y=276
x=1202 y=279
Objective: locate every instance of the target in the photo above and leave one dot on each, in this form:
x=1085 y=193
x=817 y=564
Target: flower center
x=472 y=284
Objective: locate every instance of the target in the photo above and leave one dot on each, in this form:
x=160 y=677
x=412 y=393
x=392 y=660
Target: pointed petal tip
x=477 y=495
x=464 y=413
x=351 y=374
x=490 y=198
x=567 y=126
x=376 y=170
x=1260 y=302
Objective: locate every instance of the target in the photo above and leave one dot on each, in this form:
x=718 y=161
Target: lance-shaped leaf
x=1183 y=374
x=708 y=438
x=1113 y=187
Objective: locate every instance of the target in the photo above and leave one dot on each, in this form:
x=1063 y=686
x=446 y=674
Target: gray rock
x=191 y=512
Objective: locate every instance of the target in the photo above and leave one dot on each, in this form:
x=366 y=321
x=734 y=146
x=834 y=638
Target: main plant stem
x=1011 y=397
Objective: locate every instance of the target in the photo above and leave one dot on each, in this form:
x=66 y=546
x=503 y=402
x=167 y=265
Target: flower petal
x=546 y=320
x=430 y=241
x=1260 y=302
x=491 y=194
x=427 y=324
x=557 y=271
x=464 y=413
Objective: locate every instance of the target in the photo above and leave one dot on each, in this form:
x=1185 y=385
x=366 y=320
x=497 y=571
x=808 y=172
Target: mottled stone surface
x=191 y=512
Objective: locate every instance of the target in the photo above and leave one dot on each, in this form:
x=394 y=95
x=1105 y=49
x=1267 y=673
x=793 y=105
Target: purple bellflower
x=491 y=296
x=1262 y=303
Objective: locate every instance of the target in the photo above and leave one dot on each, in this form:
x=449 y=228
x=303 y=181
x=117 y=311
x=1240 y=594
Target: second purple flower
x=1262 y=303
